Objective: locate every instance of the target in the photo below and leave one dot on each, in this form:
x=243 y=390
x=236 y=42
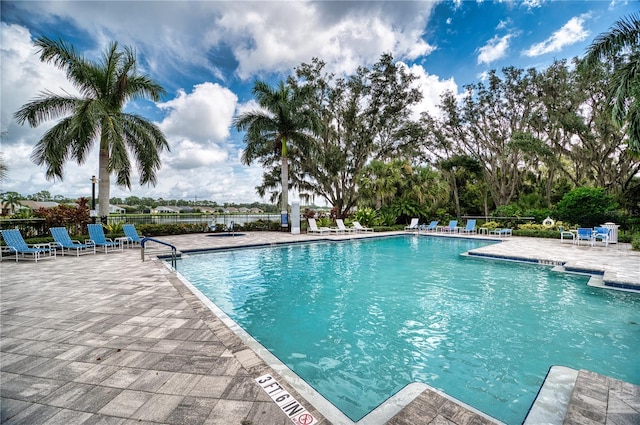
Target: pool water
x=359 y=320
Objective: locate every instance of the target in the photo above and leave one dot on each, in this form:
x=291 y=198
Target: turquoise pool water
x=359 y=320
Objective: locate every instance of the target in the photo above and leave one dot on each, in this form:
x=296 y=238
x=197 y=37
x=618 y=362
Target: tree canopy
x=96 y=115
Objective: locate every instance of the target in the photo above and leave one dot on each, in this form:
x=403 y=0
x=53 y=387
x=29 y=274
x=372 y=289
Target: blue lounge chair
x=601 y=233
x=15 y=243
x=64 y=241
x=131 y=233
x=470 y=228
x=584 y=234
x=413 y=225
x=97 y=237
x=430 y=227
x=502 y=232
x=452 y=227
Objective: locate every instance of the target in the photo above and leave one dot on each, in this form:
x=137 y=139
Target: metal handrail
x=174 y=250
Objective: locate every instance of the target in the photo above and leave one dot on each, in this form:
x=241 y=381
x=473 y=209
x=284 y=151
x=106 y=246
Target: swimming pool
x=359 y=320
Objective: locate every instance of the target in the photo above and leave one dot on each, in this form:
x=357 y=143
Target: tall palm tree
x=282 y=119
x=97 y=114
x=622 y=44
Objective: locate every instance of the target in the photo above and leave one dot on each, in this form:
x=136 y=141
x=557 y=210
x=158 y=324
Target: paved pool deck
x=109 y=339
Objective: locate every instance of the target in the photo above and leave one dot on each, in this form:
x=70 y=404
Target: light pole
x=94 y=213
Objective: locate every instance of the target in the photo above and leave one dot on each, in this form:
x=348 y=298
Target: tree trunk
x=285 y=184
x=456 y=198
x=103 y=184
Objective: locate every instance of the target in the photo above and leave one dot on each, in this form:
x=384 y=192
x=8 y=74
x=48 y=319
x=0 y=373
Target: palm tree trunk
x=285 y=184
x=103 y=184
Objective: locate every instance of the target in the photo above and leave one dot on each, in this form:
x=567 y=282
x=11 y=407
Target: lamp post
x=94 y=180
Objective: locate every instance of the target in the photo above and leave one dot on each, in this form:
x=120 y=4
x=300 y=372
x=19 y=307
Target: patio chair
x=413 y=225
x=567 y=234
x=470 y=228
x=502 y=232
x=131 y=233
x=430 y=227
x=341 y=226
x=64 y=241
x=96 y=235
x=360 y=228
x=584 y=234
x=451 y=227
x=15 y=243
x=601 y=233
x=313 y=227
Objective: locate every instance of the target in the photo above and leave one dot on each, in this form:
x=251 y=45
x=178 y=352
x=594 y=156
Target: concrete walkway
x=107 y=339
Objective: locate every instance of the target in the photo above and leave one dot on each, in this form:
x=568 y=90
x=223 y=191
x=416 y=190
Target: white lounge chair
x=313 y=227
x=341 y=226
x=360 y=228
x=413 y=225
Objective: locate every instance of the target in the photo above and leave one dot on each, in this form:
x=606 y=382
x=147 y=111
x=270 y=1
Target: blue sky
x=207 y=54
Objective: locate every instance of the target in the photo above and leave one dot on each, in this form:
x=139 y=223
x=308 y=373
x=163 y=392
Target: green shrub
x=532 y=226
x=635 y=243
x=535 y=233
x=585 y=206
x=491 y=225
x=366 y=216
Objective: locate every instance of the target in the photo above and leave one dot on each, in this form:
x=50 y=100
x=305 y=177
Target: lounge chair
x=502 y=232
x=567 y=234
x=341 y=226
x=64 y=241
x=15 y=243
x=131 y=233
x=433 y=226
x=470 y=228
x=360 y=228
x=601 y=233
x=413 y=225
x=452 y=227
x=584 y=234
x=96 y=235
x=313 y=227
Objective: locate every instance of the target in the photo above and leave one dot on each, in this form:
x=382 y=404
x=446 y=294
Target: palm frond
x=54 y=149
x=146 y=142
x=45 y=107
x=624 y=34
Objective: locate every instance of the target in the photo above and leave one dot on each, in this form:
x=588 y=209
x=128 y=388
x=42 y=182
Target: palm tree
x=11 y=202
x=105 y=88
x=283 y=118
x=622 y=43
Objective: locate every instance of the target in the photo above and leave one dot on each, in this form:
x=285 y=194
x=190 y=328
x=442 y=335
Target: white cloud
x=503 y=24
x=531 y=4
x=24 y=77
x=495 y=49
x=188 y=155
x=570 y=33
x=203 y=115
x=432 y=87
x=261 y=36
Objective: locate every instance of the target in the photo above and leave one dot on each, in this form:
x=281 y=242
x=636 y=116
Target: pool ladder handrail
x=174 y=250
